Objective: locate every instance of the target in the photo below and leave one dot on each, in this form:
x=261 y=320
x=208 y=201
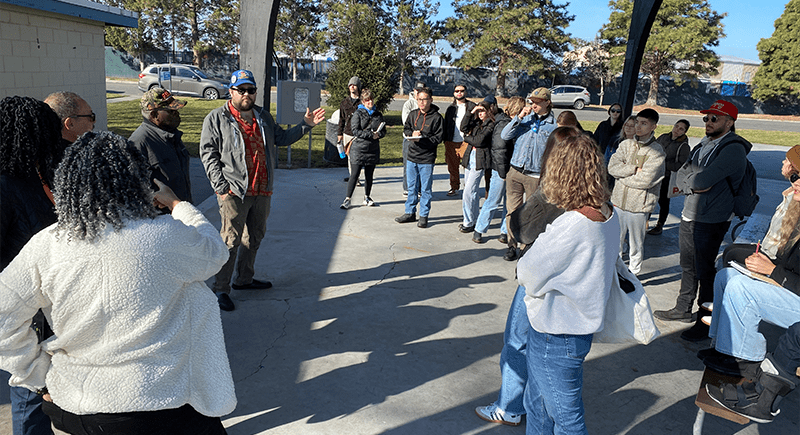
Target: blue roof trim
x=111 y=15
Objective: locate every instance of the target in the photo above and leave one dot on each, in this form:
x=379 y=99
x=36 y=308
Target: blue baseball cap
x=241 y=77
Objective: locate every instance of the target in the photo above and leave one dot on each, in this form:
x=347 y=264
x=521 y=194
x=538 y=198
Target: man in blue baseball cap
x=238 y=147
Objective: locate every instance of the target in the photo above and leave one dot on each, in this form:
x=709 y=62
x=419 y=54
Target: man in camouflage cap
x=159 y=140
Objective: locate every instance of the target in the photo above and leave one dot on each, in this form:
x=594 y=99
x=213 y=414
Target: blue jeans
x=470 y=200
x=26 y=413
x=420 y=180
x=513 y=364
x=553 y=395
x=495 y=201
x=405 y=165
x=740 y=303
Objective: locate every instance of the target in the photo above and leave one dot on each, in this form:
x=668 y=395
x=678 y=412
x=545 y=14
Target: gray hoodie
x=709 y=198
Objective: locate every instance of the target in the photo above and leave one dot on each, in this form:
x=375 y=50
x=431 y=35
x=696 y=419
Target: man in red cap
x=709 y=179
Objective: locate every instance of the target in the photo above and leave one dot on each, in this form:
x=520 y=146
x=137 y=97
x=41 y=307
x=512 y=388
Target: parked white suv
x=186 y=80
x=569 y=95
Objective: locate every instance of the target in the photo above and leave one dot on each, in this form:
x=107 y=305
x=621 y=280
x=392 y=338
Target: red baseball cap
x=722 y=107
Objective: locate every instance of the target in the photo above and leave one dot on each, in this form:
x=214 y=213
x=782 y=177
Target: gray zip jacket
x=709 y=198
x=223 y=153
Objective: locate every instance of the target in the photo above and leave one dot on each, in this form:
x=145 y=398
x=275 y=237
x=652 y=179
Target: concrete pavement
x=374 y=327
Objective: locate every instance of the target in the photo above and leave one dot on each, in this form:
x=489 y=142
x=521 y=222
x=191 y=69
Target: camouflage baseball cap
x=157 y=98
x=540 y=93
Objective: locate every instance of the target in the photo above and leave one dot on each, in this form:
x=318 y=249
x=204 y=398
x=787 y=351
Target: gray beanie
x=355 y=81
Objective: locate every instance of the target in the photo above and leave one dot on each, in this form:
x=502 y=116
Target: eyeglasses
x=91 y=116
x=243 y=91
x=794 y=177
x=616 y=111
x=712 y=118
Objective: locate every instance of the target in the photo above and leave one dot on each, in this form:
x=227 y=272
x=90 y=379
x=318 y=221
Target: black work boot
x=757 y=400
x=674 y=314
x=699 y=331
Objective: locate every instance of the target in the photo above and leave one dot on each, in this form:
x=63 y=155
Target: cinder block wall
x=43 y=52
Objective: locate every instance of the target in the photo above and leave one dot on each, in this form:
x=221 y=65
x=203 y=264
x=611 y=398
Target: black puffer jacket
x=365 y=150
x=502 y=149
x=478 y=136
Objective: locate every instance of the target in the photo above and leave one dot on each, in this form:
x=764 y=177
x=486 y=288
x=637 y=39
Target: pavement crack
x=271 y=345
x=394 y=264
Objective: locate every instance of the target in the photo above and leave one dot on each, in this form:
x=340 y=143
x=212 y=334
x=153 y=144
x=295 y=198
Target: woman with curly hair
x=138 y=345
x=567 y=275
x=29 y=153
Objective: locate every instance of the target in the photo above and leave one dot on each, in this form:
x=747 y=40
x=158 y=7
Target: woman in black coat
x=365 y=151
x=608 y=130
x=477 y=159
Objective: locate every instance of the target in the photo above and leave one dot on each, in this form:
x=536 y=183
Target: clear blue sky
x=747 y=21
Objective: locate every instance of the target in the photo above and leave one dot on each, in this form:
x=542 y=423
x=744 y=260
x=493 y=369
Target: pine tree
x=364 y=50
x=779 y=74
x=680 y=42
x=414 y=34
x=298 y=32
x=509 y=35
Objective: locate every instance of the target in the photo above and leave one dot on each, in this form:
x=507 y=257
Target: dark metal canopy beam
x=644 y=13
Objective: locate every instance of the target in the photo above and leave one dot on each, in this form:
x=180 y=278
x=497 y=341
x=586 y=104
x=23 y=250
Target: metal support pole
x=309 y=147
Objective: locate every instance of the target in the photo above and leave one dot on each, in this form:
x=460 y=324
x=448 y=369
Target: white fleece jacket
x=136 y=328
x=567 y=274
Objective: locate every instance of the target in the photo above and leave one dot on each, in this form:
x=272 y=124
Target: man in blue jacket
x=530 y=129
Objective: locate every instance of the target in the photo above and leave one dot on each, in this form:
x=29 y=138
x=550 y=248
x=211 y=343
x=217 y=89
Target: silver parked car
x=186 y=80
x=569 y=95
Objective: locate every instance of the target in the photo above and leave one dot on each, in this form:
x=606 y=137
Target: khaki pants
x=244 y=224
x=519 y=187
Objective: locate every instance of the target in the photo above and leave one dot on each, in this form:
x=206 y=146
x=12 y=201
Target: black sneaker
x=465 y=229
x=673 y=314
x=698 y=332
x=511 y=254
x=503 y=239
x=225 y=302
x=423 y=222
x=476 y=237
x=656 y=230
x=406 y=218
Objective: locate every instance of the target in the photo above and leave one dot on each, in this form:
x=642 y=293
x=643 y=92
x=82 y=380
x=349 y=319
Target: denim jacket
x=531 y=134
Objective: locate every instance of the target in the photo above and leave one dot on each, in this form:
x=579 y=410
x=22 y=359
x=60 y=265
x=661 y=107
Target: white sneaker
x=708 y=305
x=368 y=202
x=493 y=414
x=346 y=204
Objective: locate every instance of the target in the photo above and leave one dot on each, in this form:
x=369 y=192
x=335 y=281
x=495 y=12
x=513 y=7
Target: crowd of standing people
x=571 y=204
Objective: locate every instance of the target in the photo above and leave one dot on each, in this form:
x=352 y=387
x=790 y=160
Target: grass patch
x=110 y=96
x=125 y=116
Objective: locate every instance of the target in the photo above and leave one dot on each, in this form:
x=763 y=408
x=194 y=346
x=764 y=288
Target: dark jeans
x=699 y=244
x=787 y=354
x=179 y=421
x=355 y=172
x=663 y=201
x=26 y=413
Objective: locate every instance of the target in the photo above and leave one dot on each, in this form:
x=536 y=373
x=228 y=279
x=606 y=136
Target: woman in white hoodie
x=567 y=275
x=138 y=345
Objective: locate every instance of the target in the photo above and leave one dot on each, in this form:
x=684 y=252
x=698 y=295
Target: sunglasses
x=459 y=91
x=91 y=116
x=712 y=118
x=242 y=91
x=794 y=177
x=616 y=111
